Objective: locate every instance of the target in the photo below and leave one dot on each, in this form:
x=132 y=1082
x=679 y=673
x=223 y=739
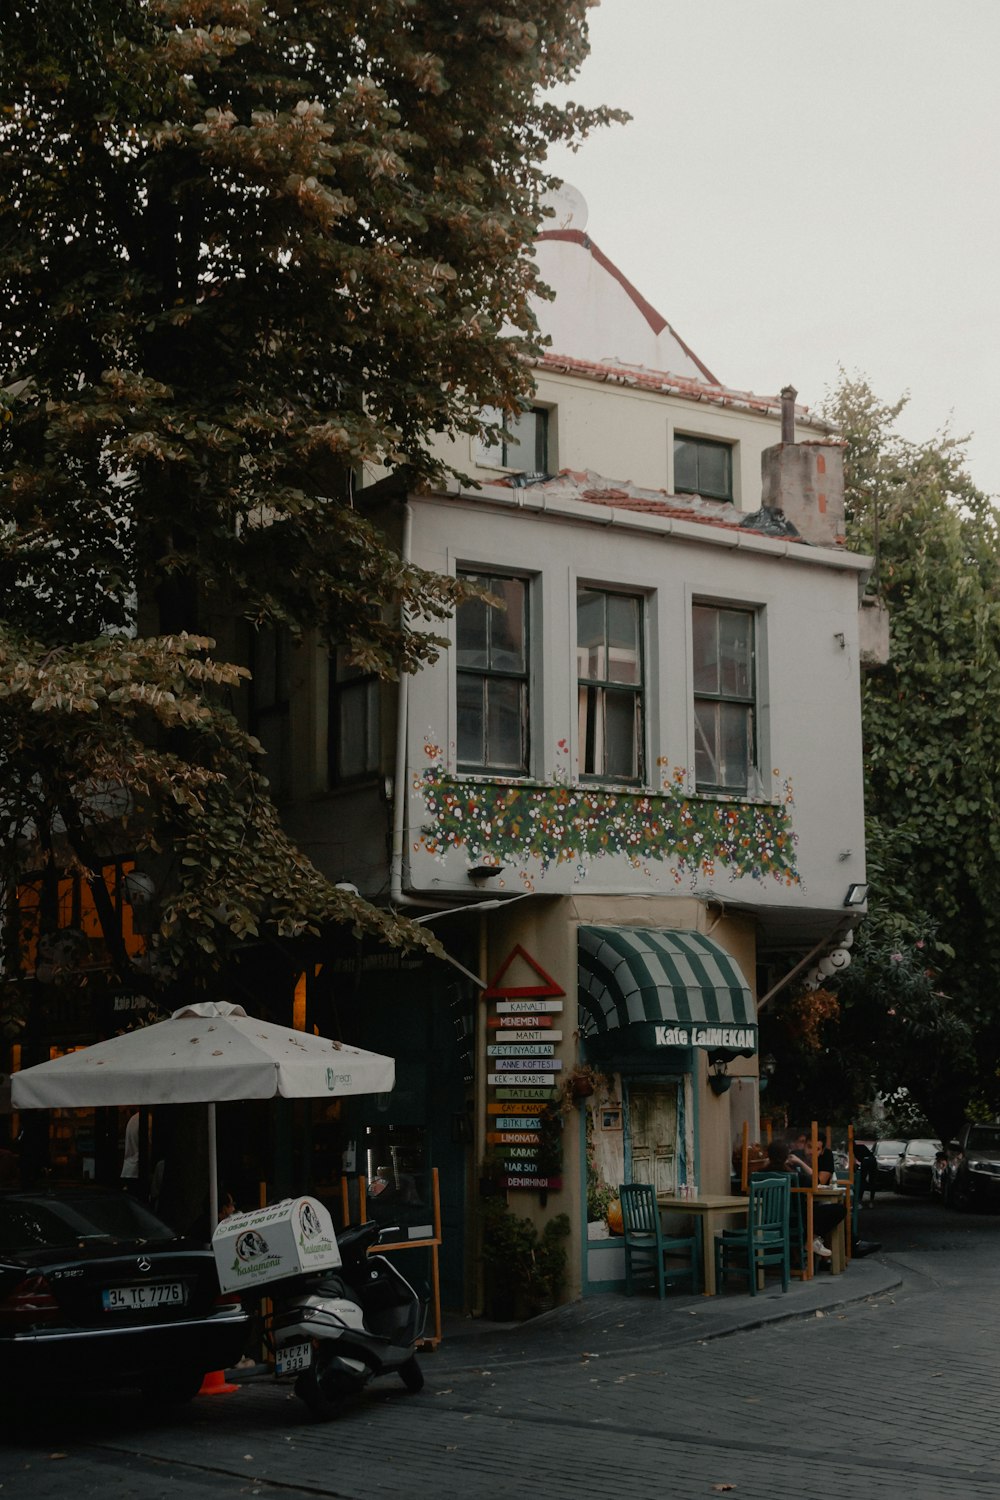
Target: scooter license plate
x=293 y=1358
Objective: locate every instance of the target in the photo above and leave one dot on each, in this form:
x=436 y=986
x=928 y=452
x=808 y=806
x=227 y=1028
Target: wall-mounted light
x=719 y=1080
x=857 y=895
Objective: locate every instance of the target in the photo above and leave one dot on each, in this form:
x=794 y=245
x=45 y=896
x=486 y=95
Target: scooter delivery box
x=270 y=1244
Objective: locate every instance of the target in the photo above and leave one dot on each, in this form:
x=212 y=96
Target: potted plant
x=548 y=1265
x=580 y=1084
x=525 y=1268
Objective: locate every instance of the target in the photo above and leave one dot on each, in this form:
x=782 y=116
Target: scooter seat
x=356 y=1240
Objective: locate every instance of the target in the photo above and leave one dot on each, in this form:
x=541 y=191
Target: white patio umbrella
x=203 y=1054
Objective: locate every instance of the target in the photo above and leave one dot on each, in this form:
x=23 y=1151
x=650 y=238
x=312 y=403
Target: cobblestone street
x=822 y=1404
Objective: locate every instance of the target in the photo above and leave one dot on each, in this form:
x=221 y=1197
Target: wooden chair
x=646 y=1244
x=764 y=1239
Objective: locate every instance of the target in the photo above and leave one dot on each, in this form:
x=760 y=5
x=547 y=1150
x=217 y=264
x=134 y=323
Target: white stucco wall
x=597 y=315
x=809 y=724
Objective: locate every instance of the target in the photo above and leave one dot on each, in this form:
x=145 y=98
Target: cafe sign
x=735 y=1038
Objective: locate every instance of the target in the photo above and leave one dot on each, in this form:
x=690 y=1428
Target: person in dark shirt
x=826 y=1215
x=864 y=1165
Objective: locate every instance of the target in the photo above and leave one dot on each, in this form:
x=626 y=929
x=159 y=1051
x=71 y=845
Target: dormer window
x=703 y=467
x=526 y=450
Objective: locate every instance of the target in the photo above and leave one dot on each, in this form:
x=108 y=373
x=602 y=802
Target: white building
x=655 y=748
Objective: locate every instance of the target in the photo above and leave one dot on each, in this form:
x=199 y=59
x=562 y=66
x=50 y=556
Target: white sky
x=808 y=184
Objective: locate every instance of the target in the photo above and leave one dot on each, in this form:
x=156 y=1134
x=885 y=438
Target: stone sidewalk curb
x=612 y=1324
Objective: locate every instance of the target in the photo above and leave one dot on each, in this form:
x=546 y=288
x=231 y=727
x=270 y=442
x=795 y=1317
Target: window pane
x=735 y=637
x=354 y=729
x=526 y=447
x=471 y=720
x=621 y=756
x=706 y=759
x=590 y=642
x=713 y=470
x=685 y=464
x=352 y=736
x=703 y=467
x=623 y=632
x=265 y=669
x=588 y=730
x=735 y=721
x=520 y=453
x=471 y=631
x=507 y=626
x=706 y=649
x=504 y=724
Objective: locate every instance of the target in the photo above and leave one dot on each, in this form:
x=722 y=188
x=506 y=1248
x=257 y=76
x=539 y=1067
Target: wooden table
x=708 y=1211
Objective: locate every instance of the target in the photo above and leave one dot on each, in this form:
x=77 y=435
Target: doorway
x=653 y=1116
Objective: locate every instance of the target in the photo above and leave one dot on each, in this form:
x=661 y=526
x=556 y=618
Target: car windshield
x=984 y=1138
x=923 y=1150
x=889 y=1148
x=39 y=1221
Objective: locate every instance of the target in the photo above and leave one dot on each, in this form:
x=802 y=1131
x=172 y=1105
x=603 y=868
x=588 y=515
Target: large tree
x=919 y=1006
x=246 y=247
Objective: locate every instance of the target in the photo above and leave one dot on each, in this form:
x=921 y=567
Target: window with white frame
x=703 y=466
x=609 y=627
x=525 y=450
x=353 y=727
x=492 y=676
x=724 y=697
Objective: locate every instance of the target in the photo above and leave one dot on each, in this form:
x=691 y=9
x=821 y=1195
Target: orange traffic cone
x=215 y=1384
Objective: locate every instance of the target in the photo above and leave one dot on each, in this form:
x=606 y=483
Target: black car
x=887 y=1153
x=915 y=1167
x=97 y=1291
x=974 y=1181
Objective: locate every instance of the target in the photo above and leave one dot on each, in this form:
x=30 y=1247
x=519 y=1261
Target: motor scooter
x=336 y=1330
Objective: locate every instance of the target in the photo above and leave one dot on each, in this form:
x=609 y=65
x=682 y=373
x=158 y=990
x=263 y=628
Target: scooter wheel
x=322 y=1408
x=411 y=1374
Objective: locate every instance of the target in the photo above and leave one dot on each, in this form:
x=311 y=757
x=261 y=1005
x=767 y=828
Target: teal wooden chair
x=764 y=1241
x=647 y=1247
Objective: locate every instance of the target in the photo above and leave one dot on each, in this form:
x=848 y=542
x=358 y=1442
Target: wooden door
x=653 y=1134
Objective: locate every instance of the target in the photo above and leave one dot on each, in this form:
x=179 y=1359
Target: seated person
x=826 y=1216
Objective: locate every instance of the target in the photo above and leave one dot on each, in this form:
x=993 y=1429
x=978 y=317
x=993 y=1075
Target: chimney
x=788 y=396
x=804 y=482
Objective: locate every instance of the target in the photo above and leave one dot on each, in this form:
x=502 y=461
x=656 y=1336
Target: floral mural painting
x=555 y=823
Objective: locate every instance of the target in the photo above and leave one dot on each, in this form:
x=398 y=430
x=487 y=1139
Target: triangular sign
x=497 y=990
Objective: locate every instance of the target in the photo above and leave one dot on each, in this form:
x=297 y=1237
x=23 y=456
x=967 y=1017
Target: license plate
x=292 y=1358
x=155 y=1294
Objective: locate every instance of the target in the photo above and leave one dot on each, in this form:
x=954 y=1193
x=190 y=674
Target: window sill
x=720 y=794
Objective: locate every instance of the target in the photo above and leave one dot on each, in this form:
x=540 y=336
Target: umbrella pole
x=213 y=1173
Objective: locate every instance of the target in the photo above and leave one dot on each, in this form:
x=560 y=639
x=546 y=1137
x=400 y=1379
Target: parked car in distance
x=886 y=1156
x=974 y=1180
x=915 y=1166
x=96 y=1291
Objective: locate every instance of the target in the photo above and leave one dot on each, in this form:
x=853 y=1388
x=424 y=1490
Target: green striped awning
x=669 y=988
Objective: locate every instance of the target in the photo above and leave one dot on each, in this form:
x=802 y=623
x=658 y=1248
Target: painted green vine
x=557 y=823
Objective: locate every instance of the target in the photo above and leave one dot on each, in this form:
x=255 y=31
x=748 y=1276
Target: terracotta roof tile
x=594 y=489
x=639 y=378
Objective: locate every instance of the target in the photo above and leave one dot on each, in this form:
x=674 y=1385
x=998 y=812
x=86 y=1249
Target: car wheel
x=172 y=1387
x=321 y=1407
x=412 y=1375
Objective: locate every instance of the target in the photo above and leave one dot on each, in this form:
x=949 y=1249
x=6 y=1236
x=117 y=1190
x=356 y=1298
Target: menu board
x=523 y=1033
